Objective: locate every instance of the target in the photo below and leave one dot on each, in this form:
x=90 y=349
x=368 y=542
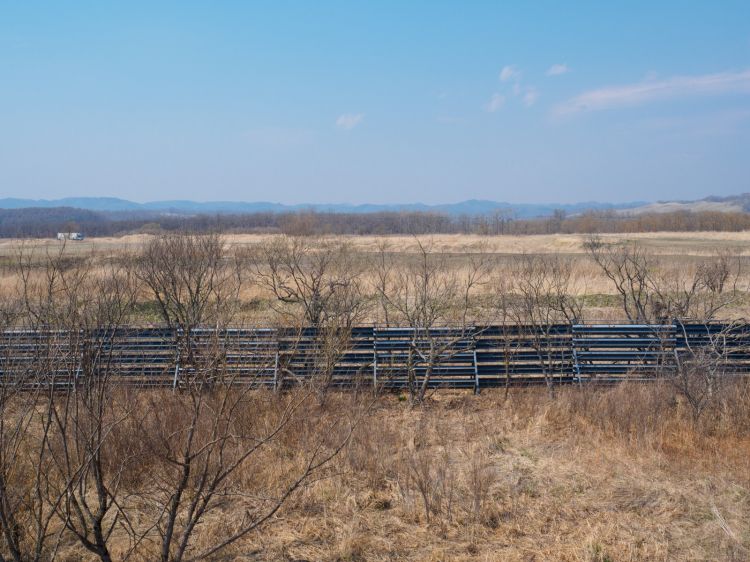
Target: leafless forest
x=45 y=222
x=91 y=468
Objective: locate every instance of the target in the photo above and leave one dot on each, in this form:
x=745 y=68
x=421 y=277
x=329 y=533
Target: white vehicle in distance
x=70 y=236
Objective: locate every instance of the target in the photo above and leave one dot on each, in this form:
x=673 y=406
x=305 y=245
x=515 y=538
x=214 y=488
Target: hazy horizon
x=331 y=103
x=338 y=202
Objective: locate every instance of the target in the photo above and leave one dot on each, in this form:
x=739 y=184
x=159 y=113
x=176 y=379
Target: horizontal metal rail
x=473 y=357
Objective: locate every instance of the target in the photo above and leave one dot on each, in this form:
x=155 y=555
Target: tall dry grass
x=616 y=473
x=620 y=473
x=678 y=256
x=629 y=472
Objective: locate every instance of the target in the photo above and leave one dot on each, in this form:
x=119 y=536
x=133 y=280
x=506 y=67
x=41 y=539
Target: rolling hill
x=186 y=207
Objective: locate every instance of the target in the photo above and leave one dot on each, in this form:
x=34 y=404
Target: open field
x=665 y=243
x=92 y=468
x=675 y=255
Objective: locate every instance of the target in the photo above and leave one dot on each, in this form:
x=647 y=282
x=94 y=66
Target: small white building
x=70 y=235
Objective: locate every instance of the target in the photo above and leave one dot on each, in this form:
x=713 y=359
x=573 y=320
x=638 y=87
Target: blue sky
x=382 y=102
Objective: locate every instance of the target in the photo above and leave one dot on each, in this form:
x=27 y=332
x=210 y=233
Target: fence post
x=476 y=373
x=574 y=346
x=176 y=372
x=81 y=357
x=176 y=340
x=276 y=370
x=374 y=358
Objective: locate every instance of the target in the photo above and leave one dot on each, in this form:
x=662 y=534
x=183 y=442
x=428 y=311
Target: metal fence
x=474 y=358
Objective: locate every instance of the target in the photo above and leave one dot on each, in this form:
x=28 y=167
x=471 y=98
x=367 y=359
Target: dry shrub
x=579 y=477
x=733 y=408
x=633 y=411
x=370 y=454
x=432 y=470
x=481 y=474
x=157 y=448
x=650 y=413
x=427 y=479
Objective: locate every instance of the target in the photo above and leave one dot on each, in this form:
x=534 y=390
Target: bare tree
x=17 y=505
x=319 y=278
x=66 y=412
x=713 y=286
x=651 y=294
x=703 y=366
x=504 y=313
x=542 y=289
x=26 y=519
x=89 y=459
x=194 y=284
x=204 y=444
x=84 y=460
x=190 y=278
x=629 y=268
x=36 y=363
x=426 y=295
x=316 y=284
x=382 y=279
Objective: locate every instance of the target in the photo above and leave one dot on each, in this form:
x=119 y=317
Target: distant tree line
x=46 y=222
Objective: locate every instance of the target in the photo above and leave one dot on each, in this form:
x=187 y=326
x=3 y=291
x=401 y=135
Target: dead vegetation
x=93 y=469
x=276 y=278
x=617 y=474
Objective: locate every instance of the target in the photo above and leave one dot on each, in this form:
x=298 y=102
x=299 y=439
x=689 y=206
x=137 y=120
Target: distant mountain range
x=468 y=207
x=739 y=203
x=729 y=204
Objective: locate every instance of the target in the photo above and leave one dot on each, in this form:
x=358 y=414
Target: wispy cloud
x=530 y=96
x=348 y=121
x=515 y=89
x=647 y=91
x=509 y=72
x=496 y=102
x=558 y=69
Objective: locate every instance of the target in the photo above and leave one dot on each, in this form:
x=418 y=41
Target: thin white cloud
x=509 y=72
x=348 y=121
x=558 y=69
x=496 y=103
x=646 y=91
x=530 y=97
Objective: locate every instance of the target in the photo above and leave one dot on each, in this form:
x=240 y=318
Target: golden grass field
x=665 y=243
x=677 y=252
x=588 y=475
